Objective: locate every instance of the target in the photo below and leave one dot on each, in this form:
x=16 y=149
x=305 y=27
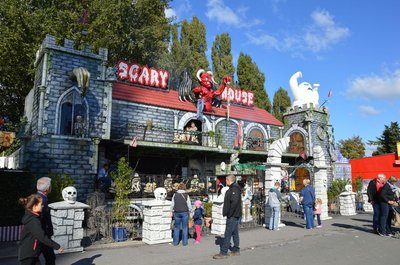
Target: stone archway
x=273 y=174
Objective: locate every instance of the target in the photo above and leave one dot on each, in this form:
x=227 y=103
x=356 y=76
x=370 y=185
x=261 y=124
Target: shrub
x=122 y=180
x=58 y=183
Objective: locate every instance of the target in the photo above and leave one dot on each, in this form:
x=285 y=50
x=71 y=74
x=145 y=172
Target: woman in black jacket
x=32 y=235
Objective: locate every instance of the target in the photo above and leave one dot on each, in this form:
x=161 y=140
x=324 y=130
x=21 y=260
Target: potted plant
x=122 y=185
x=337 y=187
x=207 y=213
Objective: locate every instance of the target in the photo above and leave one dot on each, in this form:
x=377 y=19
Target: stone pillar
x=347 y=203
x=366 y=205
x=67 y=224
x=157 y=222
x=219 y=221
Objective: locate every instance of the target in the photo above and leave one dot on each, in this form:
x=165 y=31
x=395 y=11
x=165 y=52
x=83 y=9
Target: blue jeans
x=274 y=218
x=181 y=218
x=377 y=212
x=308 y=213
x=383 y=217
x=231 y=230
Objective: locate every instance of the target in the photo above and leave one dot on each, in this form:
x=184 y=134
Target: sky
x=349 y=47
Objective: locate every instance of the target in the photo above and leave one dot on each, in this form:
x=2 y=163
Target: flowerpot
x=207 y=221
x=119 y=234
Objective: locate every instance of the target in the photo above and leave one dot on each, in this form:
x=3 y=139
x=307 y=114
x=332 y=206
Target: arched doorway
x=296 y=181
x=255 y=140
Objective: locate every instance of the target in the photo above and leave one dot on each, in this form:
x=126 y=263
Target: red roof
x=170 y=99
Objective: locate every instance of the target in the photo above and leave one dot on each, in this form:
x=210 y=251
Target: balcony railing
x=152 y=133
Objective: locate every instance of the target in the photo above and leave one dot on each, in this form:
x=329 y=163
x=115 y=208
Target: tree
x=197 y=47
x=352 y=148
x=387 y=142
x=251 y=78
x=221 y=56
x=281 y=103
x=135 y=31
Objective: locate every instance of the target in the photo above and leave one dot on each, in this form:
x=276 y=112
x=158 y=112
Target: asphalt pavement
x=342 y=240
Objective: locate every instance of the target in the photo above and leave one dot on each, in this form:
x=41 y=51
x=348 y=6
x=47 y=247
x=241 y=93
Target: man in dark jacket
x=373 y=190
x=43 y=186
x=233 y=212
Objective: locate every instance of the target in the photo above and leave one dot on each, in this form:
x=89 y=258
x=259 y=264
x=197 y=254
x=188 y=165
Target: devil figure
x=205 y=93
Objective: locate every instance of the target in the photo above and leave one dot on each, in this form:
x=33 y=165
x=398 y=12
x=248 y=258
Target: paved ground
x=342 y=240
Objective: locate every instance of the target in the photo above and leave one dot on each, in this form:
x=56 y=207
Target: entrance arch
x=274 y=173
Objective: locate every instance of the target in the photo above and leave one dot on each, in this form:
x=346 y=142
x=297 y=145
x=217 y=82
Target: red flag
x=304 y=155
x=330 y=93
x=133 y=142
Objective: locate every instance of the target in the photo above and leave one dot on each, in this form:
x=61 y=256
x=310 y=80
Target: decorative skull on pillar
x=160 y=194
x=69 y=194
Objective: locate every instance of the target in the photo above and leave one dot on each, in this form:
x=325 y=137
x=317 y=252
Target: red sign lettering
x=238 y=96
x=135 y=73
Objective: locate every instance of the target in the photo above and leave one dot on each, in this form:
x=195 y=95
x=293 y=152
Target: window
x=73 y=115
x=296 y=144
x=256 y=140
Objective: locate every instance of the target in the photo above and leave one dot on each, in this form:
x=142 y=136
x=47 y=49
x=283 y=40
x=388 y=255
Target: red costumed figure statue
x=206 y=95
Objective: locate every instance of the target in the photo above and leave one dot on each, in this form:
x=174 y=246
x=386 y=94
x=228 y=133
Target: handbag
x=190 y=223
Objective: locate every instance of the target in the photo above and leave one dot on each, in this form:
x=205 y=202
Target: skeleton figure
x=168 y=183
x=135 y=183
x=160 y=194
x=69 y=194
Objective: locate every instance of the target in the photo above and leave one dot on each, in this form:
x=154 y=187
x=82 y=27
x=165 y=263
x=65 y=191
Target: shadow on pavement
x=290 y=223
x=346 y=226
x=87 y=261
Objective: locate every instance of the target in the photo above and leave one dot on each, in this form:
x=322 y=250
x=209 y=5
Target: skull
x=160 y=194
x=69 y=194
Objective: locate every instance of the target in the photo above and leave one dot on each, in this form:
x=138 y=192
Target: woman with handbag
x=181 y=206
x=307 y=199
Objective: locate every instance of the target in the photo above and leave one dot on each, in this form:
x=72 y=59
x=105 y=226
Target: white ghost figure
x=69 y=194
x=160 y=194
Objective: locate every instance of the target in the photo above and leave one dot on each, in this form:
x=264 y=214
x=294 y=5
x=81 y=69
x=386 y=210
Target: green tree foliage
x=337 y=186
x=221 y=56
x=352 y=148
x=58 y=183
x=387 y=142
x=281 y=103
x=197 y=47
x=132 y=30
x=122 y=180
x=251 y=78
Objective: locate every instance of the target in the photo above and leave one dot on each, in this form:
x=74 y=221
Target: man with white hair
x=43 y=186
x=374 y=188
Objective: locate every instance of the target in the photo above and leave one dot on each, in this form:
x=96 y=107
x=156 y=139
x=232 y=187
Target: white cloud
x=264 y=40
x=221 y=13
x=169 y=13
x=320 y=35
x=386 y=86
x=368 y=110
x=218 y=11
x=323 y=32
x=182 y=9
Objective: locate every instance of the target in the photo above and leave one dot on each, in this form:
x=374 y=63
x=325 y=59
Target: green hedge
x=13 y=185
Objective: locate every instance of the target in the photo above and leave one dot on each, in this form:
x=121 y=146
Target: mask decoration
x=69 y=194
x=160 y=194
